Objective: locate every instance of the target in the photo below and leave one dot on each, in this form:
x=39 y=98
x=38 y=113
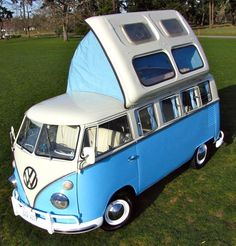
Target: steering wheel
x=29 y=145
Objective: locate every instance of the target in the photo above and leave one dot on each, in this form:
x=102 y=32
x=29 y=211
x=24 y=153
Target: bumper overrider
x=49 y=221
x=220 y=139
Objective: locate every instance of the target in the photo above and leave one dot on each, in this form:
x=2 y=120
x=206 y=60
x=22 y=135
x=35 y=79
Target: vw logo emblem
x=30 y=178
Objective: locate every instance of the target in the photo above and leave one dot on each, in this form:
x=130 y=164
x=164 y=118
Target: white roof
x=121 y=52
x=75 y=109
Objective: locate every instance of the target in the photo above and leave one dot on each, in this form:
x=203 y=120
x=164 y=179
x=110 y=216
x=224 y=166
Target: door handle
x=133 y=157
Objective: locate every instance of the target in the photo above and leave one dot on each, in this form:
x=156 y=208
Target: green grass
x=190 y=207
x=217 y=31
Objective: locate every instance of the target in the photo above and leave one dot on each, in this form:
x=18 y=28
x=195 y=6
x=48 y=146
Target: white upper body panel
x=121 y=51
x=75 y=109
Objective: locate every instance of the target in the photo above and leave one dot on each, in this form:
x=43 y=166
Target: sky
x=16 y=9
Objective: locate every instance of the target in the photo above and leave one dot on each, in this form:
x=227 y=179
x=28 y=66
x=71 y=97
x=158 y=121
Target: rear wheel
x=201 y=156
x=118 y=212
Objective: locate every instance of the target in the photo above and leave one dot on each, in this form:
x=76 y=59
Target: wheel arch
x=208 y=142
x=128 y=189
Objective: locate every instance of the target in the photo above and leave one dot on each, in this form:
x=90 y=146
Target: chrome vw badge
x=30 y=178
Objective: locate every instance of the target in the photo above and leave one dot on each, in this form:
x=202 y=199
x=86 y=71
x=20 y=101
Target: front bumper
x=49 y=222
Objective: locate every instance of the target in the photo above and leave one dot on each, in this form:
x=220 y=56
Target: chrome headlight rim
x=59 y=200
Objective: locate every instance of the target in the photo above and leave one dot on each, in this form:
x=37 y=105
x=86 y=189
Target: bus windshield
x=54 y=141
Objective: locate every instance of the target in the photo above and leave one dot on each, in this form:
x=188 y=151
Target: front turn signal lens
x=68 y=185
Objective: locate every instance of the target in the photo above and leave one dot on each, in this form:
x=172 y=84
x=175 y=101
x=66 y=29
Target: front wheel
x=201 y=156
x=118 y=212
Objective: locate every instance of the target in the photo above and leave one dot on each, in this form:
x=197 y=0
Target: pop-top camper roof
x=133 y=56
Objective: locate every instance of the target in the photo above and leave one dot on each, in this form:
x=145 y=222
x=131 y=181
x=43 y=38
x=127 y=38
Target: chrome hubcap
x=117 y=212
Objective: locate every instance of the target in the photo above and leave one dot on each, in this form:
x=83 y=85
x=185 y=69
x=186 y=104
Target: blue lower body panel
x=175 y=144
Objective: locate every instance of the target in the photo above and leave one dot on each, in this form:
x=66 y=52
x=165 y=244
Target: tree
x=233 y=10
x=4 y=15
x=211 y=12
x=60 y=10
x=24 y=6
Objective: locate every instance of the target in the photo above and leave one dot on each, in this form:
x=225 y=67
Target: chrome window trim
x=138 y=115
x=198 y=97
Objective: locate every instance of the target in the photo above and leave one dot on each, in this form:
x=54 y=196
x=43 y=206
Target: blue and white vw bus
x=140 y=102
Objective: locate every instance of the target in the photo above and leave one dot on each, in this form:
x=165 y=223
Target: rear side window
x=187 y=58
x=170 y=108
x=205 y=92
x=146 y=120
x=173 y=27
x=153 y=69
x=190 y=100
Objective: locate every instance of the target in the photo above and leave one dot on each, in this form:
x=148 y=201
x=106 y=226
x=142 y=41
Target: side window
x=190 y=100
x=138 y=33
x=187 y=58
x=170 y=108
x=108 y=136
x=153 y=69
x=173 y=27
x=146 y=120
x=205 y=92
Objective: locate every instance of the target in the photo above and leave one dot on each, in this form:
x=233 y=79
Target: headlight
x=59 y=200
x=12 y=180
x=13 y=164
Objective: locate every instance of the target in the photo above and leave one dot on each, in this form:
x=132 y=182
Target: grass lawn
x=189 y=207
x=217 y=31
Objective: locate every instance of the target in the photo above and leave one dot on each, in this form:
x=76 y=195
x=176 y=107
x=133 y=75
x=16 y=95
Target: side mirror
x=89 y=155
x=12 y=136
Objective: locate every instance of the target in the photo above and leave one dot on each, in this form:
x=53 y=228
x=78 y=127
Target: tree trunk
x=115 y=6
x=233 y=17
x=28 y=19
x=65 y=23
x=1 y=27
x=211 y=13
x=202 y=19
x=24 y=16
x=65 y=34
x=233 y=20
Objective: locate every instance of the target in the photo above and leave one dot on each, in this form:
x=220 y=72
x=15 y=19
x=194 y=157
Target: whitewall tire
x=201 y=156
x=118 y=212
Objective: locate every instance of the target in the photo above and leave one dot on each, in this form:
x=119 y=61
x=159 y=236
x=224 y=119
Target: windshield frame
x=21 y=145
x=39 y=133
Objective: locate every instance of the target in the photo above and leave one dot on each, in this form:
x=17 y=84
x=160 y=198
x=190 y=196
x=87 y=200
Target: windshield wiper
x=49 y=141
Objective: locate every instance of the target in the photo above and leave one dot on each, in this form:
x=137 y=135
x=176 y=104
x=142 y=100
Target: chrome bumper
x=220 y=140
x=48 y=222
